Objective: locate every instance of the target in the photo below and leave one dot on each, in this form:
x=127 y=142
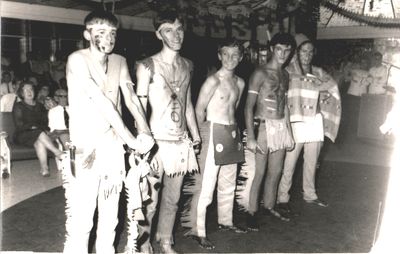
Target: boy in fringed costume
x=268 y=133
x=94 y=175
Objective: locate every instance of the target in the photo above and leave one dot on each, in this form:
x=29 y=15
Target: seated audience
x=31 y=126
x=58 y=117
x=7 y=101
x=7 y=86
x=43 y=93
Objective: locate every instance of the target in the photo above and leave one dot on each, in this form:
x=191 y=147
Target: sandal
x=232 y=228
x=202 y=241
x=274 y=213
x=45 y=172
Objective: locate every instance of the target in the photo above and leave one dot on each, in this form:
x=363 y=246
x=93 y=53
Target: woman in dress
x=31 y=126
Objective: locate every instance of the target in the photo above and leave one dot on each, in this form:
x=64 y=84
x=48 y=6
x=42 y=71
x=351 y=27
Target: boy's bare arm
x=255 y=83
x=206 y=93
x=191 y=118
x=240 y=83
x=132 y=101
x=143 y=82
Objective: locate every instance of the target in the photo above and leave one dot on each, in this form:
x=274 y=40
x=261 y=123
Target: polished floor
x=352 y=178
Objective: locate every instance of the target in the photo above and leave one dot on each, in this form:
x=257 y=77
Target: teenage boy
x=95 y=76
x=164 y=82
x=315 y=111
x=267 y=95
x=221 y=148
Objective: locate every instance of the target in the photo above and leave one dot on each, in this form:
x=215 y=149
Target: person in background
x=215 y=111
x=351 y=103
x=164 y=82
x=62 y=84
x=315 y=111
x=25 y=68
x=378 y=75
x=34 y=80
x=7 y=85
x=43 y=93
x=266 y=114
x=32 y=126
x=59 y=117
x=96 y=78
x=57 y=67
x=359 y=78
x=8 y=100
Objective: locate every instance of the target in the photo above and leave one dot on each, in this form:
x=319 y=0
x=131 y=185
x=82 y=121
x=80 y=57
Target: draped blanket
x=313 y=93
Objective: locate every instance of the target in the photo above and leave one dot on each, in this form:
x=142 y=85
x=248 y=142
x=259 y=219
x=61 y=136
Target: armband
x=253 y=92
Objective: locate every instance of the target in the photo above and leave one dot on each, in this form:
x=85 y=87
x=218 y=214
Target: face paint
x=172 y=35
x=102 y=37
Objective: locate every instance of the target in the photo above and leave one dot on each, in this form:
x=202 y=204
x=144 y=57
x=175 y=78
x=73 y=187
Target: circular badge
x=234 y=134
x=219 y=148
x=272 y=131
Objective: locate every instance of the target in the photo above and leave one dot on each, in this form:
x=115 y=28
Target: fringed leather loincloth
x=177 y=157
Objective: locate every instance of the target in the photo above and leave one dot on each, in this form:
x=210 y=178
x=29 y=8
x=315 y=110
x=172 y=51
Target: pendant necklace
x=172 y=85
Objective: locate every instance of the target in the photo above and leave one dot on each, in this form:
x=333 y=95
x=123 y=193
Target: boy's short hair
x=167 y=16
x=231 y=42
x=283 y=39
x=100 y=17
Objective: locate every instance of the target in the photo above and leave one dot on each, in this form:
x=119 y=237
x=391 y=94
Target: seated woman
x=31 y=126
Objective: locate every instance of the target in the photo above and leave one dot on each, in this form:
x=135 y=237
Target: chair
x=17 y=152
x=5 y=162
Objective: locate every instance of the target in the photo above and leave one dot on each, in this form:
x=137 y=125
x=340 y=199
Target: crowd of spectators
x=36 y=94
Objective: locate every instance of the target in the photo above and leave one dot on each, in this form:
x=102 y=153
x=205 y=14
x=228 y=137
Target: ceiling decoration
x=386 y=19
x=236 y=15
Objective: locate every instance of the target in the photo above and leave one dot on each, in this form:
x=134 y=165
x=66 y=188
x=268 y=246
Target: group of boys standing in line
x=178 y=131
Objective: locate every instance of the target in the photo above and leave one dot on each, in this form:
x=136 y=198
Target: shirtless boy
x=221 y=146
x=266 y=105
x=164 y=82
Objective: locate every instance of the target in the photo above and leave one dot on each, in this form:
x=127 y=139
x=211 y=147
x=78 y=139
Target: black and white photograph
x=200 y=126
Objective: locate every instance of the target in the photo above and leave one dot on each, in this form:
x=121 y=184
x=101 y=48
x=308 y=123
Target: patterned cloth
x=310 y=94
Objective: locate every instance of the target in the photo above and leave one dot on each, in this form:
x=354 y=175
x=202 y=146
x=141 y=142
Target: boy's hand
x=144 y=143
x=197 y=146
x=253 y=147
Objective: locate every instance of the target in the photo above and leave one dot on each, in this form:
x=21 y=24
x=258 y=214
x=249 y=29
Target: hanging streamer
x=369 y=20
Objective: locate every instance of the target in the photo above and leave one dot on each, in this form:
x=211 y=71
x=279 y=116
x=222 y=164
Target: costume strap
x=253 y=91
x=149 y=64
